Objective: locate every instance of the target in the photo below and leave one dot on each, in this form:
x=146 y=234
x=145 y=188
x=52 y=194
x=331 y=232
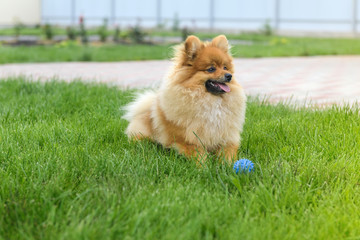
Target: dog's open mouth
x=216 y=87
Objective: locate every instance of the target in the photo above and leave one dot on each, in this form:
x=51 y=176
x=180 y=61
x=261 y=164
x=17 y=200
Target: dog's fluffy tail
x=141 y=105
x=138 y=114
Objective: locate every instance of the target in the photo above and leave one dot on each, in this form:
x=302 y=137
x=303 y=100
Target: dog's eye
x=225 y=68
x=211 y=69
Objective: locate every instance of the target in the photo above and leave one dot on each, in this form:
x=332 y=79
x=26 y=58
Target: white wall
x=24 y=11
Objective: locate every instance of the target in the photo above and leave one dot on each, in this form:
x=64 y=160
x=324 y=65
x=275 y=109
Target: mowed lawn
x=67 y=171
x=79 y=53
x=252 y=46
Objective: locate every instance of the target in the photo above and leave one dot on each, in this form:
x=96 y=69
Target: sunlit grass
x=256 y=46
x=82 y=53
x=68 y=171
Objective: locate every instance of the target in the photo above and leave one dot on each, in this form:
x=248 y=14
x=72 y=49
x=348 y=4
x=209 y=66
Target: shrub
x=136 y=34
x=48 y=31
x=83 y=32
x=71 y=33
x=176 y=23
x=185 y=32
x=266 y=29
x=102 y=31
x=17 y=28
x=116 y=34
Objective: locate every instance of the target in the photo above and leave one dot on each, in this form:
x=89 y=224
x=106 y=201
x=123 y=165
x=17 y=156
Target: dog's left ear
x=192 y=46
x=221 y=42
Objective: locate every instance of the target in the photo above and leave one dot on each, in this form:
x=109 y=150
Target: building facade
x=20 y=11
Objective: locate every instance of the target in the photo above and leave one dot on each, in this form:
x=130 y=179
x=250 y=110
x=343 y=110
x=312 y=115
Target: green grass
x=68 y=172
x=291 y=46
x=263 y=46
x=39 y=31
x=82 y=53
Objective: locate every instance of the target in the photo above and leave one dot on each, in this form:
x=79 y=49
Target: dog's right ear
x=192 y=46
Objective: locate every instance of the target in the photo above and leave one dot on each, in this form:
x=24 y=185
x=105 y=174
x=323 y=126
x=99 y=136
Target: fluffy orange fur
x=184 y=113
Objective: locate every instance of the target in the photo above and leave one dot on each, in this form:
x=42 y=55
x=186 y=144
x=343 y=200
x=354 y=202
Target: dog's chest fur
x=212 y=120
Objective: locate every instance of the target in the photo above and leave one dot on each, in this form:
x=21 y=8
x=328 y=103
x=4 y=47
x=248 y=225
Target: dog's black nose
x=228 y=77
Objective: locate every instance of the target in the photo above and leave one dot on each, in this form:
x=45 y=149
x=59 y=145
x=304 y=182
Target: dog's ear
x=221 y=42
x=192 y=46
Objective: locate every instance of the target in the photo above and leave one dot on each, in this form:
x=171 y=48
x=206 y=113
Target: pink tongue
x=223 y=86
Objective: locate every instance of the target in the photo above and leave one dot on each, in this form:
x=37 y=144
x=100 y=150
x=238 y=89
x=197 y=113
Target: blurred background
x=59 y=31
x=123 y=30
x=339 y=17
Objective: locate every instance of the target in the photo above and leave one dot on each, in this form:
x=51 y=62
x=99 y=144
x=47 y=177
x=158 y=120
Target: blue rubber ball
x=244 y=165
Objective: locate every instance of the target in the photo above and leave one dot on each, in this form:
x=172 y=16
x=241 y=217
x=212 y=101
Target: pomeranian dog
x=199 y=107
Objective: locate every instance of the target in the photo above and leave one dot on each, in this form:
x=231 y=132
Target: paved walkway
x=316 y=80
